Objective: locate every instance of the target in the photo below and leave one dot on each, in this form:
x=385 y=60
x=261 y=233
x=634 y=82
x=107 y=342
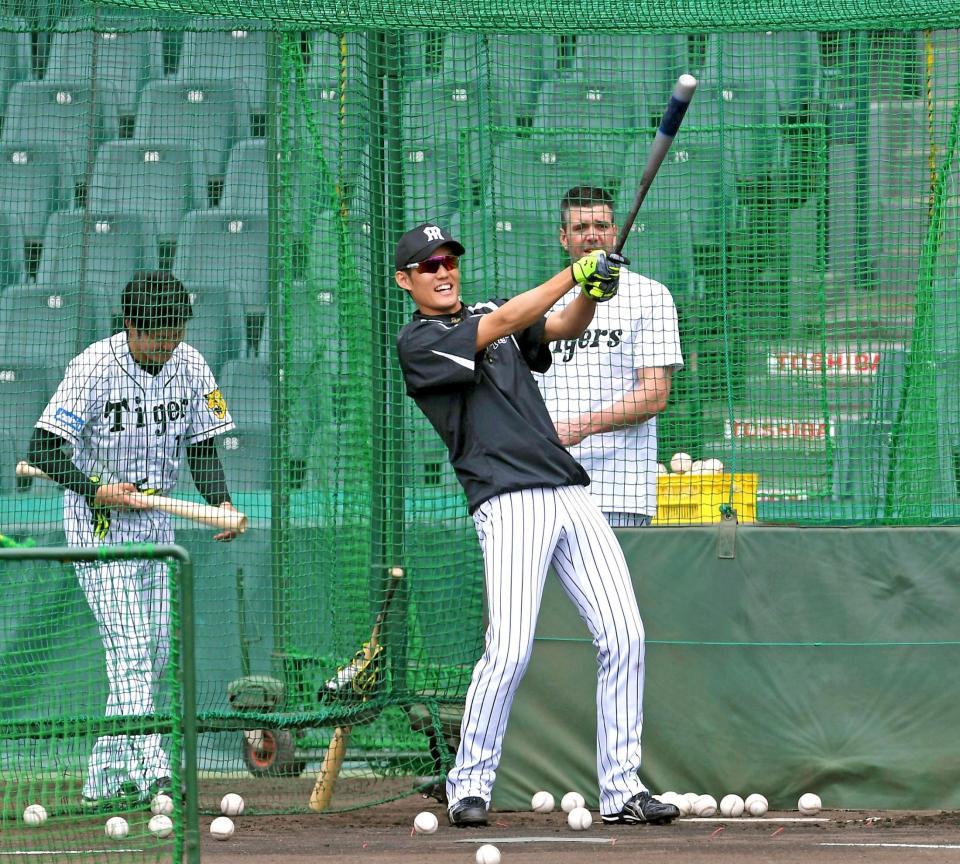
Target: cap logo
x=433 y=233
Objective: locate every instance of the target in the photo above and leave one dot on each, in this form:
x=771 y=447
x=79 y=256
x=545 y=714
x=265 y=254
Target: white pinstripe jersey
x=128 y=425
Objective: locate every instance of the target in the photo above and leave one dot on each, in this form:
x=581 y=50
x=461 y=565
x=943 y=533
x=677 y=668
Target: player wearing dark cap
x=469 y=370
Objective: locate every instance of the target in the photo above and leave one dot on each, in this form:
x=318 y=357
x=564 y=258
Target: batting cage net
x=796 y=261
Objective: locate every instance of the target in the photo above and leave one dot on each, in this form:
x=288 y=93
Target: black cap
x=420 y=243
x=155 y=300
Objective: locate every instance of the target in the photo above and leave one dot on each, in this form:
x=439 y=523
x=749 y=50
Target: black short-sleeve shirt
x=486 y=406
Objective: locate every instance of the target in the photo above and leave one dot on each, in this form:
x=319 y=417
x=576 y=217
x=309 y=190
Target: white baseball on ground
x=231 y=804
x=161 y=805
x=681 y=463
x=116 y=827
x=705 y=805
x=425 y=822
x=542 y=802
x=809 y=804
x=571 y=801
x=691 y=797
x=731 y=805
x=160 y=826
x=34 y=815
x=488 y=854
x=222 y=827
x=711 y=466
x=683 y=804
x=756 y=805
x=579 y=819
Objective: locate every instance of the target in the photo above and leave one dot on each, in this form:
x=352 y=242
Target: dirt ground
x=383 y=834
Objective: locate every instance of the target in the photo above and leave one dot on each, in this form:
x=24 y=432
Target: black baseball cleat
x=468 y=813
x=643 y=808
x=127 y=797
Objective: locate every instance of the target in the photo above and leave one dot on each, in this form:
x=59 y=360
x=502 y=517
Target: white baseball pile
x=488 y=854
x=705 y=805
x=35 y=815
x=571 y=801
x=222 y=828
x=579 y=819
x=160 y=826
x=542 y=802
x=731 y=806
x=116 y=827
x=425 y=823
x=231 y=804
x=161 y=805
x=683 y=463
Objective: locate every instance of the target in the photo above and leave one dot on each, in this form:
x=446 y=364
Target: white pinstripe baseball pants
x=521 y=535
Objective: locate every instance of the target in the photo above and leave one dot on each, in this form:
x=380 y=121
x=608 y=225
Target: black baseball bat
x=669 y=125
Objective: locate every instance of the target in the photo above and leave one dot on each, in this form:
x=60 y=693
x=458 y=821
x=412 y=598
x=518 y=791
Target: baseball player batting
x=469 y=370
x=131 y=406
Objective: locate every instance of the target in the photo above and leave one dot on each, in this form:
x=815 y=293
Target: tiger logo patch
x=217 y=404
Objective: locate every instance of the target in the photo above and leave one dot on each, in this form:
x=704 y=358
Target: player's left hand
x=606 y=279
x=226 y=536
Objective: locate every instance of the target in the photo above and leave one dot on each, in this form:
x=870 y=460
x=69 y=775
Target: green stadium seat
x=127 y=54
x=660 y=245
x=790 y=61
x=437 y=110
x=9 y=455
x=246 y=385
x=513 y=251
x=215 y=329
x=245 y=454
x=431 y=183
x=753 y=152
x=96 y=253
x=213 y=115
x=14 y=54
x=333 y=109
x=32 y=185
x=24 y=392
x=11 y=250
x=156 y=180
x=40 y=326
x=533 y=174
x=73 y=116
x=592 y=105
x=221 y=247
x=648 y=61
x=224 y=49
x=692 y=177
x=245 y=183
x=514 y=65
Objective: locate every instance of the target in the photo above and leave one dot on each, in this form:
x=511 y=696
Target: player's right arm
x=48 y=454
x=591 y=273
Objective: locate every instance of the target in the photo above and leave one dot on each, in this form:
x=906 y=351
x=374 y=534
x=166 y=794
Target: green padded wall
x=819 y=659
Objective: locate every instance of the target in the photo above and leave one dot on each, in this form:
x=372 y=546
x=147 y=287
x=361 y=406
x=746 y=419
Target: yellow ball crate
x=690 y=499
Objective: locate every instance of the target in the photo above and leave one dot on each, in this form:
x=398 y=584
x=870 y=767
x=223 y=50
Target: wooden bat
x=669 y=126
x=216 y=517
x=337 y=748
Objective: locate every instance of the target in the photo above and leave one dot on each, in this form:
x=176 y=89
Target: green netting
x=804 y=222
x=58 y=751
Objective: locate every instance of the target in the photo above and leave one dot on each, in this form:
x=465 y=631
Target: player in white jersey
x=605 y=389
x=131 y=407
x=469 y=370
